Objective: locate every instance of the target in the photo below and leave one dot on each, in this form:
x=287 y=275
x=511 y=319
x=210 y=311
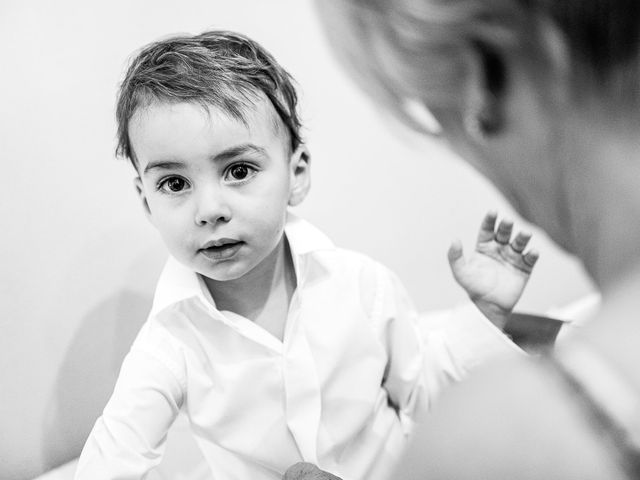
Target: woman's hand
x=496 y=273
x=307 y=471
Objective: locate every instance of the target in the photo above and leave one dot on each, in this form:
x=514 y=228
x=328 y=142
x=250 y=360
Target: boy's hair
x=223 y=69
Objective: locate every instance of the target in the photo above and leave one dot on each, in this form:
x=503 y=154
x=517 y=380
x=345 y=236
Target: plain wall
x=78 y=259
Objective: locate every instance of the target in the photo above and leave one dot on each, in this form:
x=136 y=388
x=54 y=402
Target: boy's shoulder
x=338 y=264
x=308 y=240
x=357 y=259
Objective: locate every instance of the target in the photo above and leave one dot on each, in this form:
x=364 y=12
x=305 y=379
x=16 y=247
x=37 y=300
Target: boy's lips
x=221 y=249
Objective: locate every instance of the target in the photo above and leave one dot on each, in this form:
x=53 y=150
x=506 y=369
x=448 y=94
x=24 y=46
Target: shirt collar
x=178 y=283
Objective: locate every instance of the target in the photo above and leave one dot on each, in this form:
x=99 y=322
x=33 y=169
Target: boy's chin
x=219 y=275
x=224 y=271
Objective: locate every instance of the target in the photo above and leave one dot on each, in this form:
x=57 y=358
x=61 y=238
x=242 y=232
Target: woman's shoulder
x=514 y=420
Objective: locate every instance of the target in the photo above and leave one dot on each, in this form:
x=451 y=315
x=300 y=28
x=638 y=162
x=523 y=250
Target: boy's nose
x=212 y=209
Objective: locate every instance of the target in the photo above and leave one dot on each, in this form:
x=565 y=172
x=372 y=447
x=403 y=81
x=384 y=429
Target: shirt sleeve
x=130 y=436
x=458 y=340
x=430 y=351
x=396 y=318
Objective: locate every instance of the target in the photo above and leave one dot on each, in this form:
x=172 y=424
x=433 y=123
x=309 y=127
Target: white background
x=78 y=260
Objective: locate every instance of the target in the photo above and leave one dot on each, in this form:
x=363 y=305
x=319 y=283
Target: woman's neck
x=616 y=329
x=604 y=201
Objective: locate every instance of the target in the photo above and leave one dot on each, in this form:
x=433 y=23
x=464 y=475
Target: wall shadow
x=88 y=373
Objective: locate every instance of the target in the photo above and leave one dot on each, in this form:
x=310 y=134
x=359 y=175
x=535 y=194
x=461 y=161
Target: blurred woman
x=542 y=97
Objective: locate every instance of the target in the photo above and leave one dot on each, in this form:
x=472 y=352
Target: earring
x=419 y=113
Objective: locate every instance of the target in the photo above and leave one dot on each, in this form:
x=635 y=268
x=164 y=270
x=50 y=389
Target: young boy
x=278 y=346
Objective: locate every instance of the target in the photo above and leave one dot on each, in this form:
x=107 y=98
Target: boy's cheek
x=171 y=224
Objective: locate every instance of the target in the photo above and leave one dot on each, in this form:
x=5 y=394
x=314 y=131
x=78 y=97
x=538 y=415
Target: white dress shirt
x=339 y=391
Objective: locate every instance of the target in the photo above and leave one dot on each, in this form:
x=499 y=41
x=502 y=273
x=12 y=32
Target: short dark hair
x=604 y=33
x=218 y=68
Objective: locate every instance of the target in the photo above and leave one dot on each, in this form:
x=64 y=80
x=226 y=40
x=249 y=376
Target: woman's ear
x=300 y=175
x=501 y=76
x=485 y=91
x=137 y=183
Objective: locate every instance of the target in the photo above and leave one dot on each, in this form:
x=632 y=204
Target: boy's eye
x=173 y=184
x=240 y=172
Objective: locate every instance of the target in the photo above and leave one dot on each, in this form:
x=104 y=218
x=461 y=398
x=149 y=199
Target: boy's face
x=216 y=189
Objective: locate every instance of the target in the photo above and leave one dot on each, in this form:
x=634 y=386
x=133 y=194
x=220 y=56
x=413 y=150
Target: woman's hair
x=219 y=69
x=415 y=49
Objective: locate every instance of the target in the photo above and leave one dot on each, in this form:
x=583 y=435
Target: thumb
x=455 y=255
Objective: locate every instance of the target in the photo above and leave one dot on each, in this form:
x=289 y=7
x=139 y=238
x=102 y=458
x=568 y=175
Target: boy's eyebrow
x=239 y=150
x=162 y=165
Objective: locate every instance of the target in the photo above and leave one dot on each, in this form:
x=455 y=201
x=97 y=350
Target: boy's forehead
x=254 y=115
x=162 y=127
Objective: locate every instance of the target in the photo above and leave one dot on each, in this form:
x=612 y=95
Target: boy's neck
x=262 y=295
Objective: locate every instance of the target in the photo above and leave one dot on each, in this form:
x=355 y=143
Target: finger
x=307 y=471
x=455 y=253
x=503 y=234
x=487 y=227
x=300 y=471
x=530 y=258
x=520 y=242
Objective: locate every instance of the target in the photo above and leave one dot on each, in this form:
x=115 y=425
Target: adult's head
x=541 y=96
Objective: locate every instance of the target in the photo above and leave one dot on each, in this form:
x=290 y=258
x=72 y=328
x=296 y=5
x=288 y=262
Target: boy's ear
x=300 y=175
x=137 y=183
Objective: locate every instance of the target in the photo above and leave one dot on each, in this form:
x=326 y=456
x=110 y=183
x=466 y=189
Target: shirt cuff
x=470 y=334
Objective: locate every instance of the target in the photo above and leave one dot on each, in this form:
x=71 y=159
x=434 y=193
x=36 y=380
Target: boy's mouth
x=222 y=249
